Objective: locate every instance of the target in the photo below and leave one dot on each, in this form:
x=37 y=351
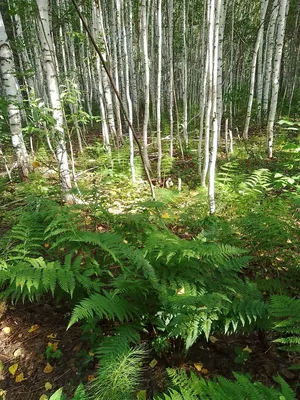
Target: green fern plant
x=242 y=388
x=120 y=372
x=286 y=314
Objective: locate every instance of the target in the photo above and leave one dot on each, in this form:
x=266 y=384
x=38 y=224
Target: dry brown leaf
x=48 y=369
x=90 y=378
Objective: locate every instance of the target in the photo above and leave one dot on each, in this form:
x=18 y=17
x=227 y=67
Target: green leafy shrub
x=243 y=389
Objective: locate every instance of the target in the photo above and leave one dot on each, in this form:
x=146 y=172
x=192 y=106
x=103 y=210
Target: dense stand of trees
x=181 y=68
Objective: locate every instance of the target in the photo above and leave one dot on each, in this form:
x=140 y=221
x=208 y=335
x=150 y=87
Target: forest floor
x=39 y=355
x=26 y=331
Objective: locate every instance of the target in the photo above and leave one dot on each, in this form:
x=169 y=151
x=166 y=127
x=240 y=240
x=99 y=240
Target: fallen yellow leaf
x=141 y=395
x=90 y=378
x=48 y=369
x=6 y=330
x=198 y=366
x=213 y=339
x=180 y=291
x=33 y=328
x=44 y=397
x=18 y=353
x=48 y=386
x=247 y=349
x=13 y=368
x=20 y=377
x=54 y=346
x=204 y=371
x=153 y=363
x=165 y=215
x=91 y=354
x=51 y=336
x=46 y=245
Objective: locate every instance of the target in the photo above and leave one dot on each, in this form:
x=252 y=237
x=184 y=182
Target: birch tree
x=50 y=67
x=216 y=6
x=282 y=13
x=264 y=7
x=158 y=107
x=11 y=91
x=144 y=33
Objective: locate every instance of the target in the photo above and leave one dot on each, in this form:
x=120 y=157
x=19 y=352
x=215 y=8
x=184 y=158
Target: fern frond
x=108 y=306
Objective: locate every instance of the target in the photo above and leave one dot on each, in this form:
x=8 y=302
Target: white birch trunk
x=171 y=75
x=146 y=82
x=158 y=107
x=282 y=13
x=184 y=73
x=269 y=57
x=215 y=121
x=10 y=86
x=253 y=68
x=127 y=90
x=54 y=95
x=210 y=75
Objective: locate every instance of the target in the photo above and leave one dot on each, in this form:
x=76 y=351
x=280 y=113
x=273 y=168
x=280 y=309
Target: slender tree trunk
x=158 y=107
x=269 y=57
x=128 y=96
x=215 y=121
x=10 y=86
x=253 y=68
x=184 y=73
x=146 y=81
x=171 y=75
x=54 y=95
x=282 y=13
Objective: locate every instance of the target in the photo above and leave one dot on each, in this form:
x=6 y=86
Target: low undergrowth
x=149 y=280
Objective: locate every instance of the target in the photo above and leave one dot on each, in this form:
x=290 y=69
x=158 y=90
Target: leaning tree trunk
x=54 y=95
x=11 y=90
x=284 y=4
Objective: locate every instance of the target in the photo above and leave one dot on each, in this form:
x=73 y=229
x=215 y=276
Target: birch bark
x=10 y=86
x=146 y=81
x=253 y=68
x=282 y=14
x=50 y=67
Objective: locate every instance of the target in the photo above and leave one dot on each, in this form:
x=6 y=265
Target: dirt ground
x=26 y=331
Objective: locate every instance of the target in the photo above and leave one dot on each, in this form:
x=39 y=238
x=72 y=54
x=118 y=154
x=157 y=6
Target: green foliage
x=119 y=375
x=286 y=313
x=198 y=388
